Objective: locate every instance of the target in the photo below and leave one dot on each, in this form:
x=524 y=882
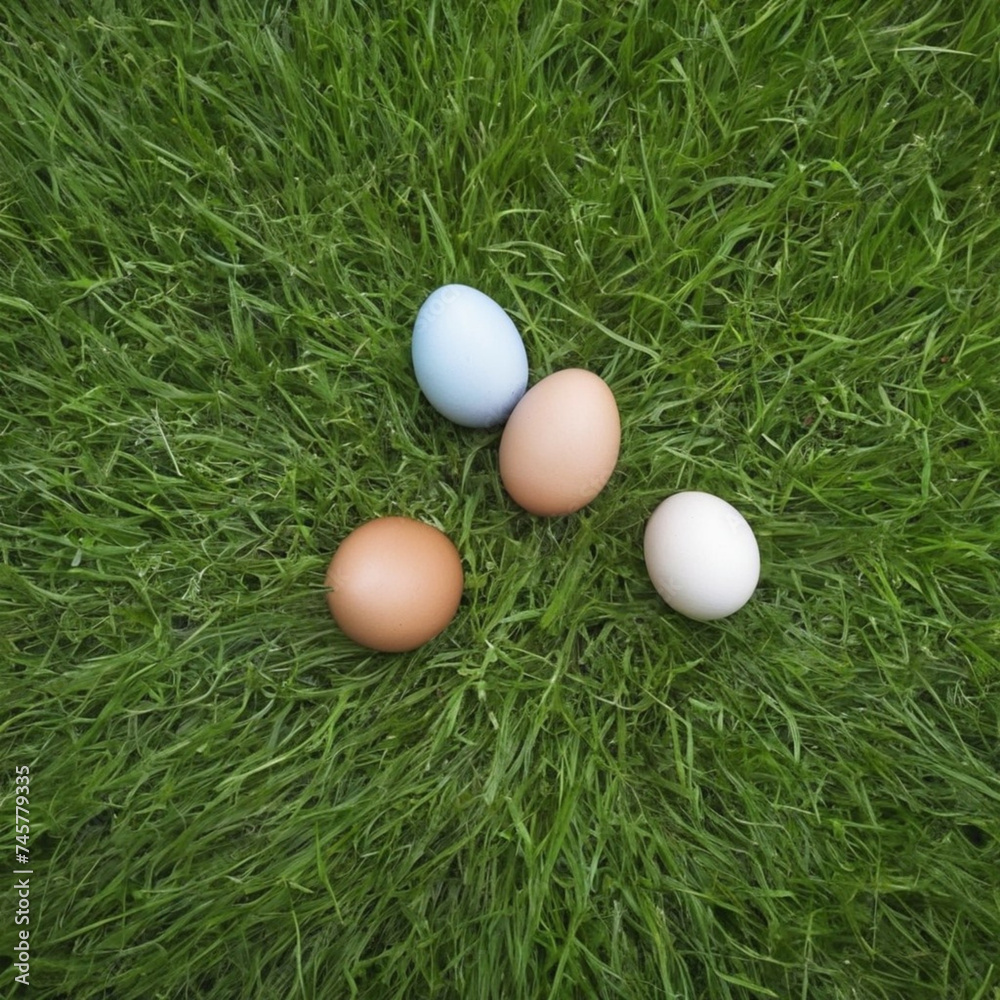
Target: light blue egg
x=469 y=358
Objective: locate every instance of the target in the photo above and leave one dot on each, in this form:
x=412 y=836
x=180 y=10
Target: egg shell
x=394 y=583
x=561 y=443
x=468 y=356
x=701 y=555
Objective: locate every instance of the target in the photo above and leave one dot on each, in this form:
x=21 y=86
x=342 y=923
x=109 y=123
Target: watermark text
x=22 y=875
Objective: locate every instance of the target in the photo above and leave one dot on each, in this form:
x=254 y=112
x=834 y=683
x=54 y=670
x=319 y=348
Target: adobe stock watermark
x=22 y=875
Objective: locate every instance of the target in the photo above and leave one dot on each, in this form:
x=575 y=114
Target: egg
x=468 y=357
x=701 y=555
x=561 y=443
x=394 y=583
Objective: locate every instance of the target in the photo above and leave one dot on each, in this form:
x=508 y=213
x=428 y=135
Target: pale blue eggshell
x=469 y=358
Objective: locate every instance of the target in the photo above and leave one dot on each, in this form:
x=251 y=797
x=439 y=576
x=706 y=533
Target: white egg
x=468 y=357
x=701 y=555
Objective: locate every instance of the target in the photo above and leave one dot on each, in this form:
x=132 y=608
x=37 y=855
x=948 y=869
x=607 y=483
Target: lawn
x=773 y=229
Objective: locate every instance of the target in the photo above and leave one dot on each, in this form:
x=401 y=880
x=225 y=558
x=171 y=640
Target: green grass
x=774 y=229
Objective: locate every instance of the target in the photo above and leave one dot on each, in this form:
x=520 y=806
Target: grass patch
x=773 y=232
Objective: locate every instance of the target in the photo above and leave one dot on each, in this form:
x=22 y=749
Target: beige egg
x=561 y=443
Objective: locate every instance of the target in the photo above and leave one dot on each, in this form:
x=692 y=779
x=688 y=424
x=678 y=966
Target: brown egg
x=394 y=583
x=561 y=442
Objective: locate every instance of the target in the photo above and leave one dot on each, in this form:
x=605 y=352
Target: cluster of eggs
x=394 y=583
